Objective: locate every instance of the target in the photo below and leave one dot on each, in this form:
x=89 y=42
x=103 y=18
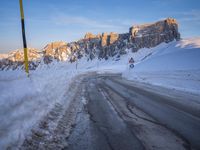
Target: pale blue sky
x=69 y=20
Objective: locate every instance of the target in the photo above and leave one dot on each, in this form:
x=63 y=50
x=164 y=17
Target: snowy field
x=175 y=65
x=24 y=101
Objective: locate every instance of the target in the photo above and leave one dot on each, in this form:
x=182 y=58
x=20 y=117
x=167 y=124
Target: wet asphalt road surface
x=100 y=125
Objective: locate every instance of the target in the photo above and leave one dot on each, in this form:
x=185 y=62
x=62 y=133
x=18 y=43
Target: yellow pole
x=24 y=38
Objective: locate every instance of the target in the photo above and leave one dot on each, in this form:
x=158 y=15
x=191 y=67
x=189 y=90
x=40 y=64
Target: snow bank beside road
x=25 y=101
x=175 y=65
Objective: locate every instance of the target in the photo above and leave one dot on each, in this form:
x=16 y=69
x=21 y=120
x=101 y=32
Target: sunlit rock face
x=150 y=35
x=15 y=59
x=18 y=55
x=102 y=46
x=91 y=36
x=56 y=50
x=113 y=38
x=104 y=39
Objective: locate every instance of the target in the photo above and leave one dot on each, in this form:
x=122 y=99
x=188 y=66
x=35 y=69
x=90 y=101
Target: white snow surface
x=24 y=101
x=175 y=65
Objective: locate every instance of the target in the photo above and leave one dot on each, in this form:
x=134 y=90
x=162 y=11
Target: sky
x=68 y=20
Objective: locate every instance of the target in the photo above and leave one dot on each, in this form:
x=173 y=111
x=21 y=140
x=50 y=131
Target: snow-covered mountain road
x=110 y=113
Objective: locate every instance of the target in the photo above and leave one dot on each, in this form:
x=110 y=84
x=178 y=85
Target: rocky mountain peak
x=160 y=27
x=18 y=55
x=89 y=36
x=50 y=48
x=55 y=50
x=15 y=59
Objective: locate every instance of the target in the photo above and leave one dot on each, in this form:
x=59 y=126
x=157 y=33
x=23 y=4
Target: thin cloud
x=79 y=20
x=193 y=15
x=164 y=2
x=186 y=15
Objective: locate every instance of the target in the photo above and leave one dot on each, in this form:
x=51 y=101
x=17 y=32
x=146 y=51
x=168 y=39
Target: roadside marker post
x=24 y=38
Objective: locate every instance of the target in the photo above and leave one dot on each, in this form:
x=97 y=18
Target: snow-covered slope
x=173 y=65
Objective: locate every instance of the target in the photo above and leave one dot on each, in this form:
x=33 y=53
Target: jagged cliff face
x=151 y=35
x=102 y=45
x=148 y=35
x=56 y=50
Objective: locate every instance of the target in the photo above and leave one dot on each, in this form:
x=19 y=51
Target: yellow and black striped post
x=24 y=38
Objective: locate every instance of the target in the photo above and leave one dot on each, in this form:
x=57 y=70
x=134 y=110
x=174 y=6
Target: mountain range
x=101 y=46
